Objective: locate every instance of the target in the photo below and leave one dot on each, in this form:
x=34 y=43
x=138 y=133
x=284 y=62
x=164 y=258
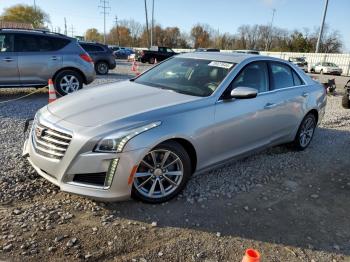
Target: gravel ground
x=291 y=206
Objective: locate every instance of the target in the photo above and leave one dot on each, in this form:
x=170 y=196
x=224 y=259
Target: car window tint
x=254 y=75
x=281 y=76
x=169 y=50
x=297 y=79
x=26 y=43
x=162 y=49
x=6 y=43
x=59 y=43
x=92 y=48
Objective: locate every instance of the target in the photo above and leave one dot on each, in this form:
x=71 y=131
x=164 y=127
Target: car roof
x=33 y=32
x=220 y=56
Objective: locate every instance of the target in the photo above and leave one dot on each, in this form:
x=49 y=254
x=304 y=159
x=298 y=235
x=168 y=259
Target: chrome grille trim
x=50 y=142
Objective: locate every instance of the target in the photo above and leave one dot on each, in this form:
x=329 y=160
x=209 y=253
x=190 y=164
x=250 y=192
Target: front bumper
x=61 y=172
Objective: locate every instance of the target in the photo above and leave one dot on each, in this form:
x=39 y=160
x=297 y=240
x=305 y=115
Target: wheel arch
x=315 y=113
x=188 y=146
x=72 y=69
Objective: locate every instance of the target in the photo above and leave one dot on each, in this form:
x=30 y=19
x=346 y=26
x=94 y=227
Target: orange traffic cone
x=52 y=92
x=251 y=255
x=133 y=66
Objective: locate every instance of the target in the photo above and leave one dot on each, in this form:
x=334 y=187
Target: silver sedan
x=147 y=136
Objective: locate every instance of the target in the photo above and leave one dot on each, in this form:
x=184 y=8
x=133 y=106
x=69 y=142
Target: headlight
x=116 y=142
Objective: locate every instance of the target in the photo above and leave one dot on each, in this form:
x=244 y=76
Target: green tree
x=25 y=14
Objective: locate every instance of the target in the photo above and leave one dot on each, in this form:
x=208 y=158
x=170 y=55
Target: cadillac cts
x=147 y=136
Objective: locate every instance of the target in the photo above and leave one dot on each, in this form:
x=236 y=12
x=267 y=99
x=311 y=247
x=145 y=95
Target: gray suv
x=28 y=58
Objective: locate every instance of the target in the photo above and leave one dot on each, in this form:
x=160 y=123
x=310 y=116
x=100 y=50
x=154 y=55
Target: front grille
x=97 y=179
x=50 y=142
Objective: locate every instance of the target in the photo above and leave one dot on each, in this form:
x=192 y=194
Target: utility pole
x=148 y=41
x=104 y=4
x=270 y=30
x=34 y=6
x=116 y=25
x=72 y=30
x=152 y=23
x=65 y=26
x=322 y=26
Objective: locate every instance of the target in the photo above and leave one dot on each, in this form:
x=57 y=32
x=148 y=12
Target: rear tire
x=101 y=68
x=166 y=179
x=68 y=81
x=152 y=60
x=346 y=101
x=305 y=132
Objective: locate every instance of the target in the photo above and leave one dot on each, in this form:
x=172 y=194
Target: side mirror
x=244 y=92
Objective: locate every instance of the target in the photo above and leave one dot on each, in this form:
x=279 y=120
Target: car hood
x=113 y=102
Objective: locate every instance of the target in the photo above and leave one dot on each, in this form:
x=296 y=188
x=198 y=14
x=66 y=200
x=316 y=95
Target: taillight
x=142 y=53
x=86 y=58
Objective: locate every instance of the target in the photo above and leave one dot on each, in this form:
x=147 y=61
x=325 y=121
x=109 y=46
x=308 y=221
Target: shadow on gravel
x=307 y=207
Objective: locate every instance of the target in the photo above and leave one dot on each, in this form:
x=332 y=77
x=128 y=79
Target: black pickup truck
x=158 y=53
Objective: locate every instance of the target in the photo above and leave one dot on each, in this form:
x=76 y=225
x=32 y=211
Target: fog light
x=111 y=171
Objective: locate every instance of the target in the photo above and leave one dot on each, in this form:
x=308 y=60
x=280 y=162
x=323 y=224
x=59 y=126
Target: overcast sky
x=224 y=15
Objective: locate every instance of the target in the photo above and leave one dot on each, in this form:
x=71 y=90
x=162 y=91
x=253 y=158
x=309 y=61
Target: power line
x=148 y=40
x=104 y=4
x=322 y=26
x=152 y=26
x=116 y=25
x=72 y=30
x=65 y=26
x=269 y=35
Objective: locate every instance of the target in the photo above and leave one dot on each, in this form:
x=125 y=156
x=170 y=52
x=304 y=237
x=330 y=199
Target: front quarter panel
x=195 y=125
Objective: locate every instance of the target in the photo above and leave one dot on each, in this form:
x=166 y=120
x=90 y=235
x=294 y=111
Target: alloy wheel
x=69 y=84
x=307 y=131
x=102 y=68
x=159 y=174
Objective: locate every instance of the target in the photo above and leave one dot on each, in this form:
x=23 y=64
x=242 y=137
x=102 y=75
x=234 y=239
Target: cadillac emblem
x=39 y=132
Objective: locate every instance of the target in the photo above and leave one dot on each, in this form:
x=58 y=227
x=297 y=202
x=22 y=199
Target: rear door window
x=281 y=76
x=297 y=80
x=6 y=43
x=26 y=43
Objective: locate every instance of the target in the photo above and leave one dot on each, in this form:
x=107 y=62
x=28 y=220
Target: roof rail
x=44 y=31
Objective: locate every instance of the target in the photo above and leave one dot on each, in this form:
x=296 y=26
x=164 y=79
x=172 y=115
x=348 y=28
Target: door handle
x=8 y=59
x=305 y=94
x=54 y=58
x=270 y=105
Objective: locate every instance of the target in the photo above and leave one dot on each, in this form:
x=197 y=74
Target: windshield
x=195 y=77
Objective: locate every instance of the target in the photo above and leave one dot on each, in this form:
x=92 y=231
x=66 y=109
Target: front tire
x=101 y=68
x=68 y=81
x=162 y=173
x=305 y=132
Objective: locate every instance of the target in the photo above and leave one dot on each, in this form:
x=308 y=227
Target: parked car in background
x=326 y=68
x=207 y=50
x=28 y=58
x=147 y=136
x=252 y=52
x=299 y=62
x=102 y=56
x=123 y=53
x=158 y=53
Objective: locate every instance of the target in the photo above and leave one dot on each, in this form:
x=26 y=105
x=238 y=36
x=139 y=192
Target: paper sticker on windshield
x=220 y=64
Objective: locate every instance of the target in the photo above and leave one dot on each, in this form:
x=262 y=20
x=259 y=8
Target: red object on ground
x=251 y=255
x=52 y=92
